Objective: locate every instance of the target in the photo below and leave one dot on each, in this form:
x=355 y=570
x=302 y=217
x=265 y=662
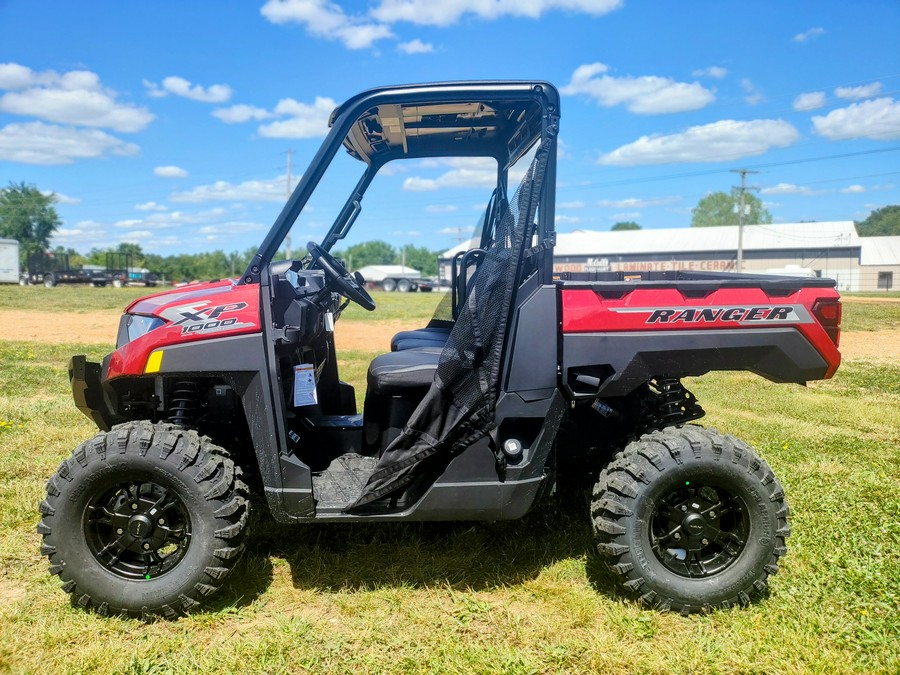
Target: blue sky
x=168 y=123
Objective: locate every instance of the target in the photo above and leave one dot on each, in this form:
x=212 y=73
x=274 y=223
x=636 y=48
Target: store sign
x=603 y=265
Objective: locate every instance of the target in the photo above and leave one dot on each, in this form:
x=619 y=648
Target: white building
x=829 y=249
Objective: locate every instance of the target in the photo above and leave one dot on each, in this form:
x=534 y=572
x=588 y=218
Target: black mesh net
x=459 y=407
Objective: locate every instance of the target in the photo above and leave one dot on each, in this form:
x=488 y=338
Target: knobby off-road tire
x=690 y=519
x=143 y=520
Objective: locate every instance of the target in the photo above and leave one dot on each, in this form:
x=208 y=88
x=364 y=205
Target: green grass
x=870 y=316
x=526 y=596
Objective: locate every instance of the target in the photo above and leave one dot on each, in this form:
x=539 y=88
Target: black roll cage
x=505 y=149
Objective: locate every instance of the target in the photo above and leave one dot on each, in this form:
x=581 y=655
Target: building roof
x=880 y=251
x=724 y=238
x=780 y=236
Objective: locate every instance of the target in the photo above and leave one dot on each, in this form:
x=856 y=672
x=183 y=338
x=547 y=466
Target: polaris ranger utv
x=530 y=382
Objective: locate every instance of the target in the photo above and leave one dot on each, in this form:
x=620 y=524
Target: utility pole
x=743 y=188
x=287 y=239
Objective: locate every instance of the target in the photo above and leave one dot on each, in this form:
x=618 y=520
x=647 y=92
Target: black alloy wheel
x=690 y=519
x=138 y=529
x=698 y=530
x=144 y=520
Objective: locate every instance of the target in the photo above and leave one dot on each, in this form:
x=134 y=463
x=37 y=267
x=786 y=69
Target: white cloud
x=647 y=95
x=618 y=217
x=858 y=93
x=466 y=172
x=886 y=186
x=722 y=141
x=809 y=101
x=790 y=189
x=567 y=220
x=16 y=76
x=878 y=119
x=76 y=97
x=252 y=190
x=460 y=231
x=853 y=189
x=716 y=72
x=60 y=198
x=577 y=204
x=416 y=47
x=39 y=143
x=753 y=95
x=241 y=113
x=170 y=172
x=216 y=93
x=448 y=12
x=327 y=20
x=634 y=203
x=305 y=120
x=151 y=206
x=809 y=34
x=441 y=208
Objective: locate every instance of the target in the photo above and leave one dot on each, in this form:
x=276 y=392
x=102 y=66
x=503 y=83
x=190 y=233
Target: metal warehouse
x=823 y=249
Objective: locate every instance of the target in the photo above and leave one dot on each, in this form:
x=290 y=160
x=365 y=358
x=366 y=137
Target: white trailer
x=9 y=261
x=395 y=278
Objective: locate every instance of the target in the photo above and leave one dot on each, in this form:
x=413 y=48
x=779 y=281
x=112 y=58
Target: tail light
x=828 y=312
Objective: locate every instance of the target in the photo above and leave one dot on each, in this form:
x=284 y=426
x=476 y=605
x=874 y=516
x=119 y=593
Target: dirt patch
x=101 y=327
x=880 y=345
x=10 y=592
x=370 y=336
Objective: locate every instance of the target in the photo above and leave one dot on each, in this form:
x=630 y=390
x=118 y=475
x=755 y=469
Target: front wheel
x=146 y=519
x=691 y=519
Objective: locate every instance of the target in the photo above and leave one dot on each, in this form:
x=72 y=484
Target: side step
x=341 y=484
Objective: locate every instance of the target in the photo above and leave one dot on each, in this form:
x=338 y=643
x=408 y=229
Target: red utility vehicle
x=530 y=382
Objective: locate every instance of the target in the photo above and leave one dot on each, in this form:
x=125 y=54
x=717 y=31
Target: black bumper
x=85 y=378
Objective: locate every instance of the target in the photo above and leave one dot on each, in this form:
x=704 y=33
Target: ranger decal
x=747 y=314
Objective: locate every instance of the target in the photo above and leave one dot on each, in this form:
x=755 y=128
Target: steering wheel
x=344 y=282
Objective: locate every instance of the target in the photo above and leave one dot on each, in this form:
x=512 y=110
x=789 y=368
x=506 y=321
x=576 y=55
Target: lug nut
x=677 y=535
x=134 y=507
x=704 y=541
x=161 y=521
x=120 y=531
x=684 y=507
x=146 y=547
x=712 y=514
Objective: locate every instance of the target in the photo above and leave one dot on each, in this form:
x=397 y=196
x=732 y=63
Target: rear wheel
x=147 y=519
x=691 y=519
x=404 y=286
x=49 y=281
x=118 y=282
x=389 y=285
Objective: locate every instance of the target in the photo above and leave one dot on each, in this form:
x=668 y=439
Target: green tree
x=883 y=222
x=420 y=258
x=27 y=215
x=368 y=253
x=721 y=208
x=625 y=225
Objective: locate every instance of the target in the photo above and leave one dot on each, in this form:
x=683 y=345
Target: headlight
x=133 y=326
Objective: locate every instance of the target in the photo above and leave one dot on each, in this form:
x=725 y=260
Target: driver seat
x=396 y=383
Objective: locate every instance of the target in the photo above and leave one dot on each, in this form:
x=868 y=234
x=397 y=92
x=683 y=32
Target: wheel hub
x=140 y=526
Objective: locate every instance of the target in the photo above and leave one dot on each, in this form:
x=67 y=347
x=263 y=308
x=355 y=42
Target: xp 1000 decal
x=203 y=317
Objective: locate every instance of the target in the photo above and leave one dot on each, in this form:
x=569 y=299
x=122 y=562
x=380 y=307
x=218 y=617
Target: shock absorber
x=185 y=400
x=674 y=403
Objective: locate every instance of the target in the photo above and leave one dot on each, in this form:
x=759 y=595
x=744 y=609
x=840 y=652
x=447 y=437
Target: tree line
x=29 y=216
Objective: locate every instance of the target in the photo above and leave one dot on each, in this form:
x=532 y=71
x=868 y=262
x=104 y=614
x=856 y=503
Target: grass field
x=527 y=596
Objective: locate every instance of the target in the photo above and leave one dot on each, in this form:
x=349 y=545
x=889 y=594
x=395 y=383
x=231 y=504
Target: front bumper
x=87 y=390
